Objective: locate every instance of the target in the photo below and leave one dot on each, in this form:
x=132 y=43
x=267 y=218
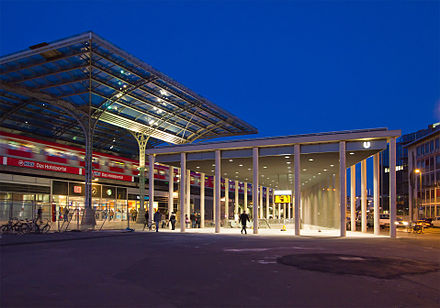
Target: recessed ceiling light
x=287 y=157
x=304 y=169
x=213 y=165
x=351 y=153
x=288 y=162
x=212 y=170
x=289 y=167
x=332 y=165
x=240 y=165
x=236 y=172
x=249 y=169
x=198 y=167
x=325 y=169
x=231 y=160
x=225 y=173
x=319 y=173
x=311 y=159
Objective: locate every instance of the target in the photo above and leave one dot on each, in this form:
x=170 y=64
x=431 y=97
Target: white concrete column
x=255 y=188
x=342 y=188
x=353 y=197
x=213 y=200
x=245 y=196
x=170 y=192
x=273 y=204
x=151 y=186
x=188 y=193
x=288 y=211
x=202 y=200
x=284 y=211
x=376 y=193
x=236 y=200
x=267 y=202
x=364 y=195
x=182 y=191
x=392 y=187
x=279 y=211
x=226 y=199
x=297 y=193
x=260 y=203
x=217 y=190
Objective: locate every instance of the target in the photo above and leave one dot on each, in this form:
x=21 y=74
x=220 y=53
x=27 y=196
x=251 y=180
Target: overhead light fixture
x=287 y=157
x=213 y=165
x=198 y=167
x=240 y=165
x=304 y=169
x=231 y=160
x=288 y=162
x=311 y=159
x=351 y=153
x=332 y=165
x=366 y=144
x=264 y=167
x=325 y=169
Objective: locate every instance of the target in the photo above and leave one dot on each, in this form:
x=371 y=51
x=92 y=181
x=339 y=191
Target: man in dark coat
x=157 y=218
x=173 y=221
x=244 y=218
x=147 y=216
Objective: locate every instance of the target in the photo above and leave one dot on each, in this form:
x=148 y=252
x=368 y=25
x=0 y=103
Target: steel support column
x=170 y=193
x=226 y=201
x=142 y=143
x=151 y=159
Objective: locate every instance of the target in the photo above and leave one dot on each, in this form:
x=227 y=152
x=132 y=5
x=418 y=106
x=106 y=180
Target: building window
x=437 y=143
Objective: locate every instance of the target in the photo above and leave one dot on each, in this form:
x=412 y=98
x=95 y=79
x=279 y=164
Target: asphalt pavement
x=165 y=269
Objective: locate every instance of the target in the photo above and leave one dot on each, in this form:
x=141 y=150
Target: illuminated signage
x=77 y=189
x=282 y=198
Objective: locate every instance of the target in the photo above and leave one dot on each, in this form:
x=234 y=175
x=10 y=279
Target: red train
x=26 y=152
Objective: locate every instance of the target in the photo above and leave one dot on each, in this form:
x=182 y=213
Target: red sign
x=77 y=189
x=65 y=169
x=40 y=165
x=113 y=176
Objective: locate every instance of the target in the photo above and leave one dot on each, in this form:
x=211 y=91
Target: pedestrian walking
x=193 y=220
x=173 y=221
x=187 y=221
x=147 y=216
x=157 y=219
x=66 y=214
x=40 y=214
x=244 y=218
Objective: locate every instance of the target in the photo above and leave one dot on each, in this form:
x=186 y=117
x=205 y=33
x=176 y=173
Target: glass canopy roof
x=123 y=92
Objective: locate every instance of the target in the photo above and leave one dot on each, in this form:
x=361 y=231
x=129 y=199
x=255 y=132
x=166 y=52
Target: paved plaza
x=171 y=269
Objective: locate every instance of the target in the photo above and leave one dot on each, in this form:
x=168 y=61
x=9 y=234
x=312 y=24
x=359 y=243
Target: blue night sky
x=286 y=67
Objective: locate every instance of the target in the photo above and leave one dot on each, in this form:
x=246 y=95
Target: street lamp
x=419 y=172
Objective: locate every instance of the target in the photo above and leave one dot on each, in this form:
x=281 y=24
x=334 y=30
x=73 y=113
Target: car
x=428 y=221
x=384 y=220
x=436 y=222
x=423 y=223
x=401 y=223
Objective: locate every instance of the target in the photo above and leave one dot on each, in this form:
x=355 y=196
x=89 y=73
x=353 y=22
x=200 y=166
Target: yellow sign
x=282 y=198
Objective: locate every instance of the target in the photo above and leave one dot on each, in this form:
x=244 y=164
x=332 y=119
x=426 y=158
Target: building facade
x=424 y=176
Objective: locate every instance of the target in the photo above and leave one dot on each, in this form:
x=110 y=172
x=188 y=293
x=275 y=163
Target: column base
x=88 y=220
x=140 y=219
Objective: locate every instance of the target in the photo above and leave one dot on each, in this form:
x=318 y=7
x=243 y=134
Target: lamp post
x=419 y=172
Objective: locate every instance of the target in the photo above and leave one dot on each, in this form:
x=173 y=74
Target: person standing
x=157 y=218
x=244 y=218
x=173 y=221
x=147 y=215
